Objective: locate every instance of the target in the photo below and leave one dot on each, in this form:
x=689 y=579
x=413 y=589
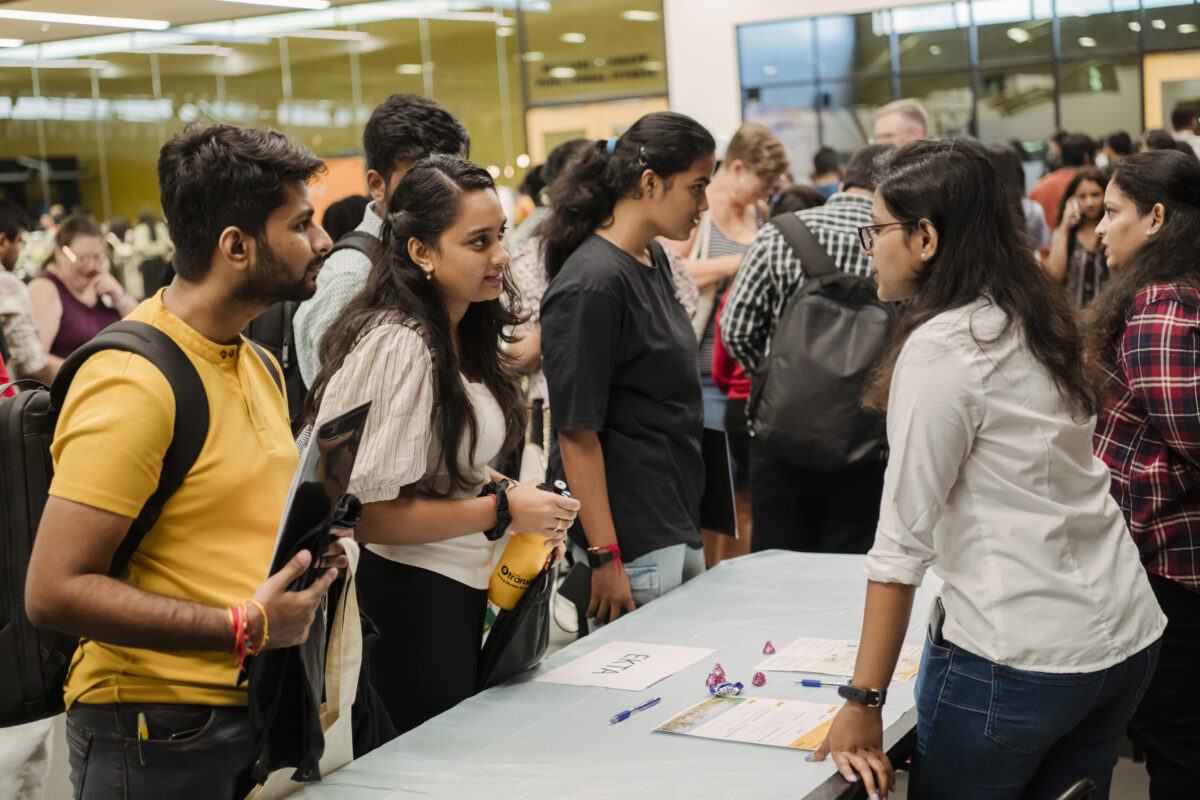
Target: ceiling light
x=1186 y=27
x=1158 y=24
x=653 y=66
x=504 y=30
x=562 y=73
x=493 y=170
x=770 y=70
x=509 y=171
x=311 y=5
x=53 y=63
x=1135 y=26
x=11 y=42
x=188 y=50
x=573 y=38
x=523 y=160
x=410 y=69
x=84 y=19
x=348 y=36
x=1087 y=41
x=534 y=55
x=935 y=50
x=1018 y=35
x=634 y=15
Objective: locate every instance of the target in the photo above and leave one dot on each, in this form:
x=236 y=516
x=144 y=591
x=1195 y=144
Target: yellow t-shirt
x=213 y=543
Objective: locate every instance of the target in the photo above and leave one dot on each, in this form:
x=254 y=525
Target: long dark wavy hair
x=584 y=194
x=1096 y=176
x=1158 y=176
x=981 y=251
x=425 y=204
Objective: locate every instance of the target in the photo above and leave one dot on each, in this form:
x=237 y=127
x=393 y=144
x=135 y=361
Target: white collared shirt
x=994 y=485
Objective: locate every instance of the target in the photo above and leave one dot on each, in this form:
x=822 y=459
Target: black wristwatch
x=599 y=556
x=503 y=516
x=871 y=698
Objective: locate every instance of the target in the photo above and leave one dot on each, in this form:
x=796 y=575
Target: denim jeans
x=201 y=752
x=990 y=731
x=654 y=574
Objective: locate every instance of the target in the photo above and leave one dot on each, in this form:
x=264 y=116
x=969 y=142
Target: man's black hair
x=407 y=128
x=1158 y=139
x=1183 y=117
x=213 y=178
x=1078 y=149
x=825 y=161
x=861 y=171
x=13 y=219
x=1120 y=143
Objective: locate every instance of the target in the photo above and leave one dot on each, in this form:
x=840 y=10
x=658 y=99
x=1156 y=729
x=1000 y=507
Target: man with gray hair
x=900 y=122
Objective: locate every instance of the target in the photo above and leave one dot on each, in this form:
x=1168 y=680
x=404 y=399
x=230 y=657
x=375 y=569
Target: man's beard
x=270 y=279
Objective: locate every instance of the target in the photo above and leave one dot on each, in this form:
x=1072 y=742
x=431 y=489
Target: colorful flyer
x=834 y=657
x=756 y=720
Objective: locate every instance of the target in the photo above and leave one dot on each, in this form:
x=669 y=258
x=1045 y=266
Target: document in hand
x=756 y=720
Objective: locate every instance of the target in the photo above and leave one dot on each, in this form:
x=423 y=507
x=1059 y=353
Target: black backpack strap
x=815 y=262
x=269 y=364
x=361 y=241
x=191 y=414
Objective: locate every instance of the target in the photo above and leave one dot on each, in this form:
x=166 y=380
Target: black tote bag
x=518 y=638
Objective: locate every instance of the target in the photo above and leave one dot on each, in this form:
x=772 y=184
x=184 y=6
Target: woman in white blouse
x=422 y=342
x=1050 y=630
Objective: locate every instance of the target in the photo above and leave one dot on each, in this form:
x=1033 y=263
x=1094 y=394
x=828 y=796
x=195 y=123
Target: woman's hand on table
x=611 y=593
x=856 y=741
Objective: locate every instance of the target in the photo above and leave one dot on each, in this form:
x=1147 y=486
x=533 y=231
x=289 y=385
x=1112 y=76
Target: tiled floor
x=1129 y=782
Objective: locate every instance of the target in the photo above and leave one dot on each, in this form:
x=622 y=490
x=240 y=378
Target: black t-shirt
x=619 y=355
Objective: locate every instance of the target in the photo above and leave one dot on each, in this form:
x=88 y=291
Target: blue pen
x=813 y=682
x=624 y=715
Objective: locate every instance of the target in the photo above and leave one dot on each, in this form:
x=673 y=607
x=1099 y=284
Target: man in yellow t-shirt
x=154 y=709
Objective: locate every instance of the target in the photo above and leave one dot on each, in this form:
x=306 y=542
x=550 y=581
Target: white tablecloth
x=541 y=740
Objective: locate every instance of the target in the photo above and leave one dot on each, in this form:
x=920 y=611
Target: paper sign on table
x=834 y=657
x=625 y=665
x=756 y=720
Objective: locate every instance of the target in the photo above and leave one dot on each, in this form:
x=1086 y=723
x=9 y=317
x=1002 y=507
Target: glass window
x=776 y=52
x=946 y=97
x=1090 y=35
x=933 y=37
x=1102 y=95
x=1026 y=40
x=853 y=45
x=1174 y=28
x=1016 y=102
x=847 y=113
x=790 y=113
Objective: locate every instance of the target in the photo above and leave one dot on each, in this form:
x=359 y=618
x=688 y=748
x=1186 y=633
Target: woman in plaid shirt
x=1145 y=329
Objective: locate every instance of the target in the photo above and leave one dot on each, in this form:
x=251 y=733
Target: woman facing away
x=619 y=355
x=421 y=341
x=1075 y=259
x=1050 y=630
x=1145 y=334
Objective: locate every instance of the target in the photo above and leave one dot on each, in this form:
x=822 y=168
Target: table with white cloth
x=528 y=739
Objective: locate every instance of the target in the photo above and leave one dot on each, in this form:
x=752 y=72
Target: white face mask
x=1101 y=161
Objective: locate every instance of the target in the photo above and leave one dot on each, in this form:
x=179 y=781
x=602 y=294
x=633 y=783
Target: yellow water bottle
x=524 y=557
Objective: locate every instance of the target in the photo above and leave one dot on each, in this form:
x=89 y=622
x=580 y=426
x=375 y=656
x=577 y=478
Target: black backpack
x=804 y=402
x=34 y=662
x=272 y=329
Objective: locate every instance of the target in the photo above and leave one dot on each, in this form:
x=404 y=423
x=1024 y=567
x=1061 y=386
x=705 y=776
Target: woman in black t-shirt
x=619 y=355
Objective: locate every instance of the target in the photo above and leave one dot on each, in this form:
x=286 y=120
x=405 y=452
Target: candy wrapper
x=759 y=679
x=768 y=648
x=726 y=689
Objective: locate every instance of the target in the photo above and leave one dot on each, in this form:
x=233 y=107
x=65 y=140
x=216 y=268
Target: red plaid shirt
x=1149 y=430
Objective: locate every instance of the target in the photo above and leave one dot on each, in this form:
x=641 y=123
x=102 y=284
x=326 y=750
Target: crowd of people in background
x=1045 y=350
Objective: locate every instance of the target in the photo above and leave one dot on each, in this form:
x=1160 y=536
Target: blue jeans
x=990 y=731
x=714 y=404
x=192 y=752
x=652 y=575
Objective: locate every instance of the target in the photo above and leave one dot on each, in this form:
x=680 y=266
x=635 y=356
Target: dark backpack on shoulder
x=34 y=662
x=804 y=405
x=272 y=329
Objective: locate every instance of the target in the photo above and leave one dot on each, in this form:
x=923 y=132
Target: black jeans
x=430 y=626
x=193 y=752
x=797 y=509
x=1167 y=722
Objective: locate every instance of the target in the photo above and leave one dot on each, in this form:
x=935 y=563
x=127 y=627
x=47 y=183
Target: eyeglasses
x=866 y=233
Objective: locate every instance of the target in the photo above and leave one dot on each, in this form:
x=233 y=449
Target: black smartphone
x=937 y=618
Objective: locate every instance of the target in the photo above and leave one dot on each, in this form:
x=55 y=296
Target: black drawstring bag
x=518 y=639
